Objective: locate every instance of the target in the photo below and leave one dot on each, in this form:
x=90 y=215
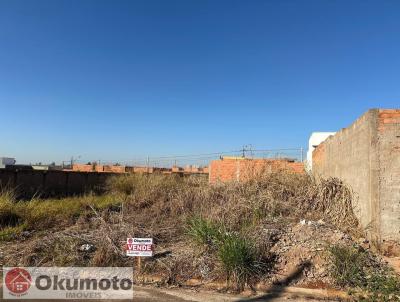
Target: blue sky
x=123 y=79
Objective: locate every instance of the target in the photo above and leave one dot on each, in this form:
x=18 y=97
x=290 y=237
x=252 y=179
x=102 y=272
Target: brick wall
x=82 y=168
x=127 y=169
x=366 y=156
x=114 y=169
x=98 y=168
x=142 y=169
x=389 y=173
x=239 y=169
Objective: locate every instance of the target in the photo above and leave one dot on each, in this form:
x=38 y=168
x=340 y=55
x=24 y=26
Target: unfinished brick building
x=137 y=169
x=98 y=168
x=239 y=168
x=366 y=156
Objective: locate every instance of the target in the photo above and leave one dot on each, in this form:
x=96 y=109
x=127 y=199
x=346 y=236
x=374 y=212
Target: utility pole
x=74 y=159
x=245 y=149
x=148 y=163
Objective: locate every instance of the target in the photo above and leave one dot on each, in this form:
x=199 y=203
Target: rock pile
x=301 y=248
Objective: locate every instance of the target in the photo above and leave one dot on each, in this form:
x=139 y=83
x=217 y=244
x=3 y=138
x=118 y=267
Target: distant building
x=230 y=168
x=315 y=139
x=6 y=161
x=49 y=167
x=41 y=167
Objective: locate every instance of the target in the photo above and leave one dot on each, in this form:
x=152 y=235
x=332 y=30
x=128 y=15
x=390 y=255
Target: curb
x=260 y=288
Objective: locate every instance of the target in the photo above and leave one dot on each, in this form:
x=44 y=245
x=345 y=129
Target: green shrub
x=384 y=284
x=202 y=231
x=353 y=268
x=240 y=260
x=347 y=265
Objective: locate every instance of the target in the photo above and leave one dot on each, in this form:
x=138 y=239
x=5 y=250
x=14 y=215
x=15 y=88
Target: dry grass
x=38 y=214
x=160 y=206
x=166 y=200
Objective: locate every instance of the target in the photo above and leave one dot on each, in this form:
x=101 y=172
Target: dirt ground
x=298 y=245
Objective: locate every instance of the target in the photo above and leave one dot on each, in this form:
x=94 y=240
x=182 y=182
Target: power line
x=207 y=156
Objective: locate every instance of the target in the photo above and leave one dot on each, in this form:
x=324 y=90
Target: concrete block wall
x=366 y=156
x=29 y=183
x=239 y=169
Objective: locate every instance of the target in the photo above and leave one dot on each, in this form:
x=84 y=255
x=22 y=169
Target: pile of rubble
x=301 y=253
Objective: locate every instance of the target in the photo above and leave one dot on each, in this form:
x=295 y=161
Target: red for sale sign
x=139 y=247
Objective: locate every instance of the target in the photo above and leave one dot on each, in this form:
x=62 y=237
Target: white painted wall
x=315 y=139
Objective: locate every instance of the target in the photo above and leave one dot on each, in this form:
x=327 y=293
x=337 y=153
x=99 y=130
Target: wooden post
x=139 y=264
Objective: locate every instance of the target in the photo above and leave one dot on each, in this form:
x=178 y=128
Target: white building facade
x=315 y=139
x=5 y=161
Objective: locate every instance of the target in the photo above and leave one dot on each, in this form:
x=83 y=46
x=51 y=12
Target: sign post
x=139 y=247
x=139 y=264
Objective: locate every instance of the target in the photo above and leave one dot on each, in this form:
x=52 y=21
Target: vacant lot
x=276 y=229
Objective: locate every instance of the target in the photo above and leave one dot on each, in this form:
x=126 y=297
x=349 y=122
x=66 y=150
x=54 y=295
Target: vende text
x=140 y=247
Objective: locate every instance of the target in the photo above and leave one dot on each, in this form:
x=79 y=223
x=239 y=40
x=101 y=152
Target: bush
x=348 y=266
x=240 y=260
x=353 y=267
x=202 y=231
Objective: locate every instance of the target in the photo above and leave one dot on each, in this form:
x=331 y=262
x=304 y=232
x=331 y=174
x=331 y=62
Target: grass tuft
x=348 y=265
x=353 y=267
x=202 y=231
x=240 y=260
x=10 y=233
